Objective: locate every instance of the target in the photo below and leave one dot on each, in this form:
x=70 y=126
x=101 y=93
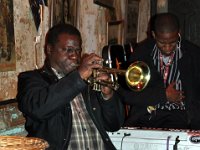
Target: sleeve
x=113 y=113
x=40 y=99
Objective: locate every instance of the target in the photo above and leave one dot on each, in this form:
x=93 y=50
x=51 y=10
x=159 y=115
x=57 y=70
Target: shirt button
x=94 y=108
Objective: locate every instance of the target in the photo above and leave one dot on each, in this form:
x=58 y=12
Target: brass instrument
x=137 y=77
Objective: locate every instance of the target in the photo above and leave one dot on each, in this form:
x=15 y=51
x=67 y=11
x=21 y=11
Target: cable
x=125 y=135
x=168 y=138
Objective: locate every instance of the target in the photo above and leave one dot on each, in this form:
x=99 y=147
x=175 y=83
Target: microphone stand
x=175 y=147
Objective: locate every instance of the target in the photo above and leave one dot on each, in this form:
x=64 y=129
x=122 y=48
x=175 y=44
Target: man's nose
x=167 y=47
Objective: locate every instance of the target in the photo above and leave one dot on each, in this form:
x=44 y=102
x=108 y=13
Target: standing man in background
x=171 y=99
x=58 y=104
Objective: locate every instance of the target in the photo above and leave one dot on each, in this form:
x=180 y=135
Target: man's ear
x=49 y=49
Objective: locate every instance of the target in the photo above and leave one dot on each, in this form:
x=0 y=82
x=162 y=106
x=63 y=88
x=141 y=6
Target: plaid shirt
x=84 y=135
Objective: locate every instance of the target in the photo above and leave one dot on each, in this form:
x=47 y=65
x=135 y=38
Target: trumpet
x=137 y=77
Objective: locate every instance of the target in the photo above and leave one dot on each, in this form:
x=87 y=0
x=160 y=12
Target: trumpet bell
x=137 y=76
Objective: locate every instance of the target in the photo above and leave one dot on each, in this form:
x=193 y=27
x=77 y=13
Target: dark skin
x=65 y=56
x=167 y=42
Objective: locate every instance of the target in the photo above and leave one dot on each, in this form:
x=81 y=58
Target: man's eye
x=69 y=50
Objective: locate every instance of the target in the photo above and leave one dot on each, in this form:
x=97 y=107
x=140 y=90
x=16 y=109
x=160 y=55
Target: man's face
x=65 y=55
x=166 y=42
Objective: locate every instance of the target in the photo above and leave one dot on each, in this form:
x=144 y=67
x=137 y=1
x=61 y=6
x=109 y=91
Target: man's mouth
x=74 y=65
x=167 y=53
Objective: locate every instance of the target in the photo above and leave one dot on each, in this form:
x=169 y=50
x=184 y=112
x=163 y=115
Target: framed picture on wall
x=7 y=40
x=115 y=32
x=105 y=3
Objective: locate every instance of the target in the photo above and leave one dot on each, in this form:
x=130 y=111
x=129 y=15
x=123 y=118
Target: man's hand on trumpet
x=106 y=91
x=87 y=65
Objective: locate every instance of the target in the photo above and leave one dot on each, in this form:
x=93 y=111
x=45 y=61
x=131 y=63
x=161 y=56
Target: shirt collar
x=59 y=75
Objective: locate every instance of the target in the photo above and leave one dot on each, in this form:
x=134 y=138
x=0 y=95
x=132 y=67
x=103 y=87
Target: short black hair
x=55 y=31
x=166 y=22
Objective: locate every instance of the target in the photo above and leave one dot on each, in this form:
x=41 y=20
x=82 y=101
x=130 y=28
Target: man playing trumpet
x=59 y=106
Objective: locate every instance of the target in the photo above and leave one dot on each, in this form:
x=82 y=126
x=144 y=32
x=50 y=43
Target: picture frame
x=7 y=40
x=115 y=32
x=105 y=3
